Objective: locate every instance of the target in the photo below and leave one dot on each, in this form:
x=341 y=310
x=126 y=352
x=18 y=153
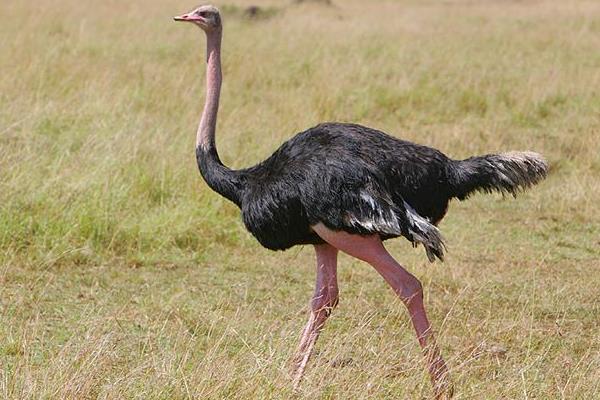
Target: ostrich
x=345 y=187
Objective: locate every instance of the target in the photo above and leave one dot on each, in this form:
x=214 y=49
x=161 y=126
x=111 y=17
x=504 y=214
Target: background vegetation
x=123 y=276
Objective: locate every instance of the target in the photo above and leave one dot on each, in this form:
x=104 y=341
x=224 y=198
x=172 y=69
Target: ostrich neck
x=205 y=137
x=218 y=177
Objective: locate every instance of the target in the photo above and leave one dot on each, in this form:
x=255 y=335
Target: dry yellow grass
x=123 y=276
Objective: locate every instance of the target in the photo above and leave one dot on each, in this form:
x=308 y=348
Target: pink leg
x=323 y=302
x=406 y=286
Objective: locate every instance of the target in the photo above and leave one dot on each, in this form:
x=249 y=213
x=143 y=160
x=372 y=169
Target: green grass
x=123 y=276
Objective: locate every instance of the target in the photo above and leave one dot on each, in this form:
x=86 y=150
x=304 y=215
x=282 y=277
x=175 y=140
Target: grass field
x=123 y=276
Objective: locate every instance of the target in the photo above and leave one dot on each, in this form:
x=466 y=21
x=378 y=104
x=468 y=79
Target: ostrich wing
x=369 y=210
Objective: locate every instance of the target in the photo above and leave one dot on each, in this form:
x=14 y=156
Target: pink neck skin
x=205 y=136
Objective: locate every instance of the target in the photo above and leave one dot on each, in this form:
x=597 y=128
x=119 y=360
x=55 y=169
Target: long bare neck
x=205 y=136
x=221 y=179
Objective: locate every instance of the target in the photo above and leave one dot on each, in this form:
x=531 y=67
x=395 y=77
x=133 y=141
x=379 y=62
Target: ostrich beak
x=188 y=17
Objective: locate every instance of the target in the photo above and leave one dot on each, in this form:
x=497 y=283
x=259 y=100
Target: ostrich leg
x=323 y=302
x=406 y=286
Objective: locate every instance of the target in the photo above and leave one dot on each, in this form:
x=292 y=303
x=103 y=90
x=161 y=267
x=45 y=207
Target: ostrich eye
x=203 y=14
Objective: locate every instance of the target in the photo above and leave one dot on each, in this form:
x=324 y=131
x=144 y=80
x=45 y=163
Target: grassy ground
x=123 y=276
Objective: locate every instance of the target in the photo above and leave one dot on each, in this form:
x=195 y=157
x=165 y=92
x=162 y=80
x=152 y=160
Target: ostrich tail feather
x=510 y=173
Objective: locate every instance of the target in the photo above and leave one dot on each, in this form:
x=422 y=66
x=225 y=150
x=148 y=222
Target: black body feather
x=362 y=181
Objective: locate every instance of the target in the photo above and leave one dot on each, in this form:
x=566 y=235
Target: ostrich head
x=206 y=17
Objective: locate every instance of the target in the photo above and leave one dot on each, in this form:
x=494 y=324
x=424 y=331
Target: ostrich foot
x=440 y=379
